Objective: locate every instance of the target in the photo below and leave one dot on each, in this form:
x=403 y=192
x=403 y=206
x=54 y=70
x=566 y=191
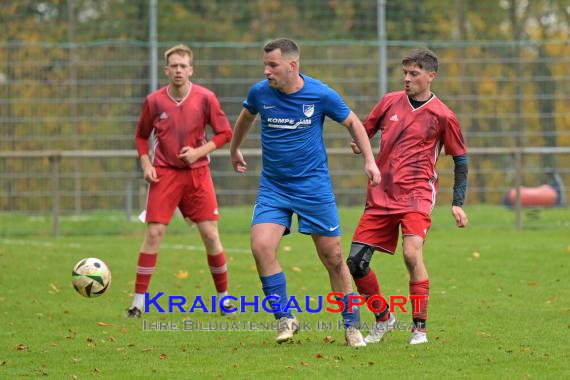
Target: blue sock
x=275 y=285
x=350 y=319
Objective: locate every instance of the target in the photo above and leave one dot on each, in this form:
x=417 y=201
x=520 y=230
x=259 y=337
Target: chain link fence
x=73 y=76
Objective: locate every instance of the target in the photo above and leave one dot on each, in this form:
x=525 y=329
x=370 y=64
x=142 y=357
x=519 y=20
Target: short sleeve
x=335 y=107
x=453 y=138
x=250 y=103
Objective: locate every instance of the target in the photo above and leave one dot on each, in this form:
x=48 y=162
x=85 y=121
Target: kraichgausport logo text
x=271 y=304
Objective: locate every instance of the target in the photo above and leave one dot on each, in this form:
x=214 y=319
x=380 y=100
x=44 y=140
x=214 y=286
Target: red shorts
x=381 y=231
x=191 y=190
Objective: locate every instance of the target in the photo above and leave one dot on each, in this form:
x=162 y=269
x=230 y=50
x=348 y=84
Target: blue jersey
x=293 y=150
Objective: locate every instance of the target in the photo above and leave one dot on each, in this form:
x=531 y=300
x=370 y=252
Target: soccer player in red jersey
x=179 y=175
x=414 y=125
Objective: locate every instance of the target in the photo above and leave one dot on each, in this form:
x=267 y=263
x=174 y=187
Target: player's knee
x=412 y=259
x=412 y=254
x=261 y=249
x=156 y=232
x=211 y=238
x=359 y=260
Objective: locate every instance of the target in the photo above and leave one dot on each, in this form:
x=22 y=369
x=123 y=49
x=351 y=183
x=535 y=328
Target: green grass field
x=499 y=303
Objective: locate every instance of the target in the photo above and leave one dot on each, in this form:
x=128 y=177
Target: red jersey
x=410 y=145
x=180 y=124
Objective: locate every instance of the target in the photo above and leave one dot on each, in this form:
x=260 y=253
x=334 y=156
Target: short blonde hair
x=180 y=49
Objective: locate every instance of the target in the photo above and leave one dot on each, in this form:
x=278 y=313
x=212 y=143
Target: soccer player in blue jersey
x=294 y=177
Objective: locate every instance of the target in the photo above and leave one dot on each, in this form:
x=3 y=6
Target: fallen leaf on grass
x=296 y=269
x=53 y=287
x=304 y=364
x=319 y=356
x=181 y=275
x=104 y=324
x=148 y=349
x=42 y=371
x=21 y=347
x=287 y=248
x=483 y=334
x=476 y=255
x=163 y=356
x=328 y=339
x=3 y=362
x=124 y=330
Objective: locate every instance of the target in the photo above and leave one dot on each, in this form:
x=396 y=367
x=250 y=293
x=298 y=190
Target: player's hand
x=238 y=162
x=189 y=155
x=372 y=172
x=150 y=174
x=460 y=216
x=354 y=147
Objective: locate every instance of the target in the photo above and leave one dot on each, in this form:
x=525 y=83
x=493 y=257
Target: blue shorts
x=315 y=218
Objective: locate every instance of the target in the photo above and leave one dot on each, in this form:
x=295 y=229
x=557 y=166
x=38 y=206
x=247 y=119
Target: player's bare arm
x=149 y=170
x=354 y=147
x=191 y=155
x=241 y=129
x=360 y=138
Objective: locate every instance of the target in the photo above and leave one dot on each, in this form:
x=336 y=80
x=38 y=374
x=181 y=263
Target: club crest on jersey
x=308 y=109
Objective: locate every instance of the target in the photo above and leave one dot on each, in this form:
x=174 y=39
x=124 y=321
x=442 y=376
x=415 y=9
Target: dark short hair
x=423 y=58
x=287 y=46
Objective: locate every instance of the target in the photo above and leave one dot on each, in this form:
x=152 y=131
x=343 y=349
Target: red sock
x=368 y=286
x=145 y=269
x=219 y=271
x=420 y=288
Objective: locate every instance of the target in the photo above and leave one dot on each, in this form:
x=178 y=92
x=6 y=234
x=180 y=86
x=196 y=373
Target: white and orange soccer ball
x=91 y=277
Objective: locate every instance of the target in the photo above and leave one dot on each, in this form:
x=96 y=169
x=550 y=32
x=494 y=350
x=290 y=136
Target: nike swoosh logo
x=268 y=107
x=334 y=228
